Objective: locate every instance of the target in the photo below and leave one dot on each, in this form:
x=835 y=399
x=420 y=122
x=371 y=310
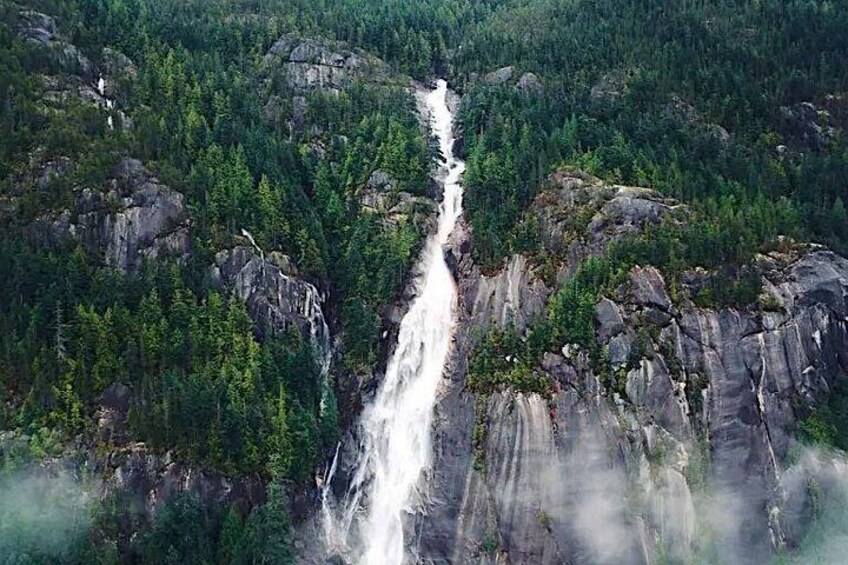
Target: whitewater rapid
x=395 y=429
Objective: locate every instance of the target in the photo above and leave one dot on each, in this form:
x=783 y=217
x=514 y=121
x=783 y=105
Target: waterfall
x=395 y=428
x=110 y=104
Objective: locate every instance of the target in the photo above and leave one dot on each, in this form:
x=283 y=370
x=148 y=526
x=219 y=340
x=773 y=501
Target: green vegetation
x=505 y=358
x=826 y=424
x=480 y=433
x=201 y=384
x=187 y=531
x=686 y=98
x=496 y=364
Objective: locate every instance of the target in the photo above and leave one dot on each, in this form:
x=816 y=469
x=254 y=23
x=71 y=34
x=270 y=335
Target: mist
x=42 y=516
x=603 y=502
x=816 y=489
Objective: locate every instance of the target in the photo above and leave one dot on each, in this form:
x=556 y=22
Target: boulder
x=608 y=318
x=648 y=288
x=530 y=84
x=500 y=76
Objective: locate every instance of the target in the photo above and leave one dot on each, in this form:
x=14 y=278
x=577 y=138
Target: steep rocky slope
x=684 y=445
x=121 y=215
x=134 y=217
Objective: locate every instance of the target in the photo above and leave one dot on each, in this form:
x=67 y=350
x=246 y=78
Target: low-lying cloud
x=42 y=516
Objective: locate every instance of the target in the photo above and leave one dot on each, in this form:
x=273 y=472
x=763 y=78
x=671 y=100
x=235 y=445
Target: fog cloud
x=42 y=516
x=599 y=510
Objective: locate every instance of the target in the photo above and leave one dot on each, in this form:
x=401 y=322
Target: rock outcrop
x=319 y=64
x=809 y=126
x=276 y=298
x=577 y=215
x=41 y=29
x=145 y=479
x=132 y=218
x=681 y=447
x=136 y=478
x=528 y=83
x=296 y=68
x=499 y=76
x=381 y=196
x=71 y=78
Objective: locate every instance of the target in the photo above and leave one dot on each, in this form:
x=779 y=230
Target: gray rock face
x=58 y=92
x=132 y=218
x=116 y=64
x=688 y=434
x=608 y=316
x=684 y=111
x=35 y=26
x=318 y=64
x=500 y=76
x=530 y=84
x=375 y=195
x=512 y=297
x=145 y=479
x=380 y=195
x=140 y=479
x=276 y=301
x=578 y=215
x=380 y=181
x=41 y=29
x=150 y=480
x=75 y=79
x=559 y=480
x=807 y=125
x=115 y=69
x=648 y=288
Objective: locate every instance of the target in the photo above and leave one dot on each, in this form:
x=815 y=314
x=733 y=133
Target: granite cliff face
x=41 y=29
x=69 y=78
x=318 y=64
x=132 y=218
x=685 y=444
x=276 y=298
x=295 y=70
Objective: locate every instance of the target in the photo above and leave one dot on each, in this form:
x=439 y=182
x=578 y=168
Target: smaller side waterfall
x=110 y=104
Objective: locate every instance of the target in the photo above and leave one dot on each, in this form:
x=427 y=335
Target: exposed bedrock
x=133 y=217
x=683 y=449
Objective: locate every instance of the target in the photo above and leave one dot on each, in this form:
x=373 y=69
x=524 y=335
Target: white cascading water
x=110 y=104
x=395 y=429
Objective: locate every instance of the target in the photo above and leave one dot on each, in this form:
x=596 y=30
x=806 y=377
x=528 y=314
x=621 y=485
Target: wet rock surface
x=277 y=300
x=691 y=431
